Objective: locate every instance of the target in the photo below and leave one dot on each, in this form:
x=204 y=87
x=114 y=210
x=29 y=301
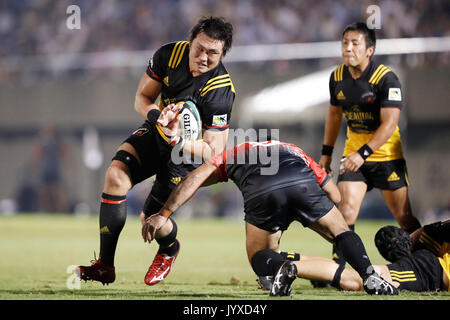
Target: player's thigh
x=397 y=200
x=258 y=239
x=352 y=195
x=330 y=225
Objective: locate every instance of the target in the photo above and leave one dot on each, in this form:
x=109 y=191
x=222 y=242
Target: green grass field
x=37 y=250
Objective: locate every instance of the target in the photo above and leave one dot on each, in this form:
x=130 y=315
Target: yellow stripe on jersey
x=403 y=276
x=376 y=73
x=445 y=264
x=379 y=74
x=217 y=82
x=338 y=73
x=175 y=57
x=390 y=150
x=180 y=56
x=217 y=78
x=431 y=244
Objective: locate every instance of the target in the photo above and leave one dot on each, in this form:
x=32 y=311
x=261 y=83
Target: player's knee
x=266 y=262
x=349 y=212
x=117 y=180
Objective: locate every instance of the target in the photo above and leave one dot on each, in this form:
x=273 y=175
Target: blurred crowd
x=36 y=27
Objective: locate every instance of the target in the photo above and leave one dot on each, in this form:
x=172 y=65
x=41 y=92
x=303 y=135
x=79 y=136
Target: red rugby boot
x=160 y=268
x=97 y=271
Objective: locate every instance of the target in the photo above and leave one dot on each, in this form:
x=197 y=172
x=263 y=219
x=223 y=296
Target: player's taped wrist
x=153 y=115
x=365 y=151
x=165 y=212
x=327 y=150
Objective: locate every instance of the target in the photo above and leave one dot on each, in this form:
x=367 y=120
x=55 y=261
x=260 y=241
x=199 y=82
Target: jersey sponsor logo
x=140 y=131
x=395 y=94
x=340 y=96
x=368 y=97
x=219 y=120
x=393 y=177
x=358 y=115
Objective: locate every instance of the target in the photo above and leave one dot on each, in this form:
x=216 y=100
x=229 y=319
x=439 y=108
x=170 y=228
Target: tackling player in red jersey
x=299 y=190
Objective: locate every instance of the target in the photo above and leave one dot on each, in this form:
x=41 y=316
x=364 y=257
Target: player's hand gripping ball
x=189 y=120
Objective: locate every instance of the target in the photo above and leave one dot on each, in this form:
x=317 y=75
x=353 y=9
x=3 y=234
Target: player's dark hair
x=369 y=34
x=393 y=243
x=216 y=28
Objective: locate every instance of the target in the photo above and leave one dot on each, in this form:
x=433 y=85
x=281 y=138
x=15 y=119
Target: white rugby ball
x=190 y=122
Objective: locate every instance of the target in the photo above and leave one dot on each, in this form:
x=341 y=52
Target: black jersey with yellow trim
x=213 y=92
x=361 y=100
x=419 y=272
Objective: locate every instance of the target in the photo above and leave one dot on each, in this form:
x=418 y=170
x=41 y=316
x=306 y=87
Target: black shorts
x=276 y=210
x=419 y=272
x=384 y=175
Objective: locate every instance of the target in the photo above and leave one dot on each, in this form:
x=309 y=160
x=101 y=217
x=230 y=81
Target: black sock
x=113 y=214
x=169 y=244
x=267 y=262
x=337 y=254
x=354 y=252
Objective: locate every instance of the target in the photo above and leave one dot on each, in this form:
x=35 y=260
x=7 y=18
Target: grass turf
x=37 y=251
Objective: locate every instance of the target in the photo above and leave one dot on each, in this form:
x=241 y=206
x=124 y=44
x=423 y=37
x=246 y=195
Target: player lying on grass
x=300 y=190
x=418 y=263
x=422 y=267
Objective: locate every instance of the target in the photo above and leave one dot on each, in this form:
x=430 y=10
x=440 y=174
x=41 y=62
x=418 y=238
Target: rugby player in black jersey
x=369 y=95
x=299 y=190
x=419 y=262
x=178 y=71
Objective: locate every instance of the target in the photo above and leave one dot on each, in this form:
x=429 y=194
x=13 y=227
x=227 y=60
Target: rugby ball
x=190 y=122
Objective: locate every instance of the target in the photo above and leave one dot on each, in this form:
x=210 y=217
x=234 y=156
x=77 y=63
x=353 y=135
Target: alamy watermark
x=73 y=282
x=74 y=19
x=373 y=21
x=263 y=153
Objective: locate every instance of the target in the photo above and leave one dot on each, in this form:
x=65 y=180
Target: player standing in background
x=183 y=70
x=369 y=95
x=300 y=190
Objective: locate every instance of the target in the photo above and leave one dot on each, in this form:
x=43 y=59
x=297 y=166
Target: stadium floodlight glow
x=278 y=104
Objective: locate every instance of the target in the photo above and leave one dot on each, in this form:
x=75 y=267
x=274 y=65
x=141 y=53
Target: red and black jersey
x=244 y=165
x=213 y=92
x=361 y=99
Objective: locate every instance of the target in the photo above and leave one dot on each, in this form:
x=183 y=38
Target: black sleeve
x=216 y=108
x=333 y=100
x=158 y=64
x=390 y=91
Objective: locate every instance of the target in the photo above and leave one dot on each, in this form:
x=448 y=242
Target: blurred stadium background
x=66 y=96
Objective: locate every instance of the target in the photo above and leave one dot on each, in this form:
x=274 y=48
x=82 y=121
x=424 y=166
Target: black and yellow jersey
x=213 y=92
x=361 y=100
x=421 y=271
